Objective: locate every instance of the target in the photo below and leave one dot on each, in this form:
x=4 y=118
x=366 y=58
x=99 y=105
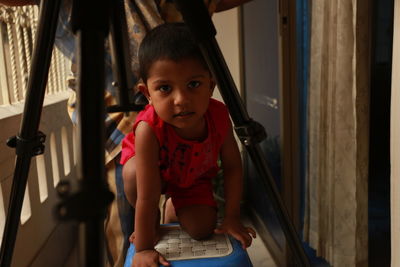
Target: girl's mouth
x=183 y=114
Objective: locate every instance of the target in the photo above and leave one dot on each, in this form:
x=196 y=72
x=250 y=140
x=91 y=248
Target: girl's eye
x=164 y=88
x=194 y=84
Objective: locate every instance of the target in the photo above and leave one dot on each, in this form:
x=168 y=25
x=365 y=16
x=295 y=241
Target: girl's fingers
x=132 y=237
x=244 y=239
x=248 y=240
x=251 y=231
x=219 y=231
x=163 y=261
x=244 y=236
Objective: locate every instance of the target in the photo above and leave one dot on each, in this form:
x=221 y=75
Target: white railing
x=57 y=163
x=17 y=32
x=41 y=239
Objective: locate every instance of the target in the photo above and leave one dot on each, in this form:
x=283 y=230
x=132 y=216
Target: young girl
x=175 y=145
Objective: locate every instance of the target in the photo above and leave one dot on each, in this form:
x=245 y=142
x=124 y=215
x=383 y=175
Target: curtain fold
x=336 y=214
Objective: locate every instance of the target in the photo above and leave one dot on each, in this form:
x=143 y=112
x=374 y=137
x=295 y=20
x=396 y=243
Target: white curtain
x=336 y=221
x=395 y=141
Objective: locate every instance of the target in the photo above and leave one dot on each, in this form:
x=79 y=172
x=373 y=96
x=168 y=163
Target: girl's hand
x=149 y=258
x=132 y=238
x=236 y=229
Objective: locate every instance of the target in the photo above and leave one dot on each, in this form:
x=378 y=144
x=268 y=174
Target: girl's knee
x=199 y=232
x=129 y=174
x=198 y=221
x=129 y=179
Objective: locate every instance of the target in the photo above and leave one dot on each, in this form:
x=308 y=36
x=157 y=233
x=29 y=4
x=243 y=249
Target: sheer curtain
x=395 y=141
x=336 y=216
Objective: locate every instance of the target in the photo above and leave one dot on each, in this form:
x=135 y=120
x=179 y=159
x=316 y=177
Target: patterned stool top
x=175 y=244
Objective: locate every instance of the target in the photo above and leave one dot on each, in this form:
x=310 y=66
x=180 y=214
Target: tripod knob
x=31 y=147
x=63 y=188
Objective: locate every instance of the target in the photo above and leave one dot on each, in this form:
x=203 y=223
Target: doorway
x=379 y=155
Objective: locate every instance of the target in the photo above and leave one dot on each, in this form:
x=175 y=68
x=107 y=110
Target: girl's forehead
x=183 y=61
x=166 y=67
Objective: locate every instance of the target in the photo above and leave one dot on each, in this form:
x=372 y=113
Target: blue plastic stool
x=181 y=250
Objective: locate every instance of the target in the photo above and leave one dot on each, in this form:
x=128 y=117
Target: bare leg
x=170 y=215
x=129 y=178
x=130 y=189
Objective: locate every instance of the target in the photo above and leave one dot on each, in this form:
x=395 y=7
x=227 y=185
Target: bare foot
x=169 y=214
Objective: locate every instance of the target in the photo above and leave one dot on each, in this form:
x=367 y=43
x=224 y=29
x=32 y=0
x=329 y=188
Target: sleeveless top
x=183 y=161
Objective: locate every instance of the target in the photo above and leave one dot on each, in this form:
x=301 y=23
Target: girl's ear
x=145 y=91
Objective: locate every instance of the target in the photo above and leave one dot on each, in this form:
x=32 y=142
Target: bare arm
x=17 y=2
x=233 y=184
x=148 y=186
x=228 y=4
x=233 y=178
x=148 y=195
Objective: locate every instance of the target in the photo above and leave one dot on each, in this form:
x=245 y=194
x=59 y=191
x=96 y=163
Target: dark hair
x=172 y=41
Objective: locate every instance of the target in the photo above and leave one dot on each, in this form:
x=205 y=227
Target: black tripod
x=89 y=204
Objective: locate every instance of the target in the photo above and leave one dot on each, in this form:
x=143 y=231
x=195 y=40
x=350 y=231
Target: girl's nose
x=181 y=97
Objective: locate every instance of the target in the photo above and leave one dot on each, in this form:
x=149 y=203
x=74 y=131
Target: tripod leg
x=196 y=17
x=92 y=136
x=120 y=53
x=28 y=143
x=90 y=203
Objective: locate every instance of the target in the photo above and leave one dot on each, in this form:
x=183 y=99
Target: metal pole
x=89 y=205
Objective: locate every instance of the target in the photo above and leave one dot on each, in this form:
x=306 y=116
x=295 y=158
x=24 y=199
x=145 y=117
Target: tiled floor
x=258 y=253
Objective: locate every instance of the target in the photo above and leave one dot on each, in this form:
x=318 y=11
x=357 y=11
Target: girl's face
x=180 y=93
